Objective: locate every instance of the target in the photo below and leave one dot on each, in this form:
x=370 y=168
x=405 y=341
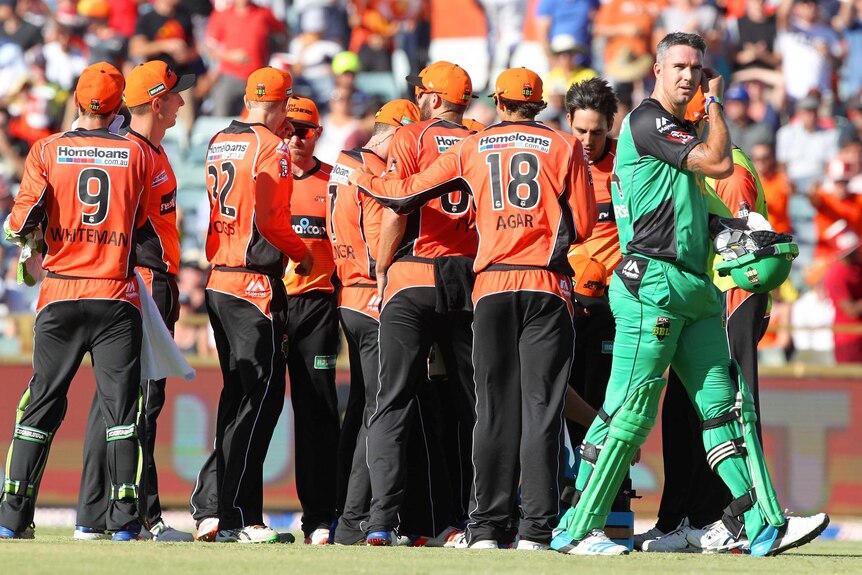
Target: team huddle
x=469 y=268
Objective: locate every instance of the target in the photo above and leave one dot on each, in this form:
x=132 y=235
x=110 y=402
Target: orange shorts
x=254 y=288
x=57 y=289
x=491 y=282
x=361 y=299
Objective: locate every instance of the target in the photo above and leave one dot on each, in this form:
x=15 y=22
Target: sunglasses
x=303 y=133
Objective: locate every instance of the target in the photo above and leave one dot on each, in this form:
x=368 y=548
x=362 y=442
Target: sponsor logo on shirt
x=325 y=361
x=93 y=155
x=309 y=227
x=256 y=288
x=662 y=328
x=681 y=137
x=374 y=303
x=514 y=140
x=564 y=287
x=340 y=174
x=168 y=203
x=445 y=142
x=160 y=179
x=283 y=167
x=631 y=270
x=227 y=151
x=744 y=209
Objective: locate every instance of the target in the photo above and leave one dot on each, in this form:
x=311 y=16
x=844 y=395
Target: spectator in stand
x=240 y=39
x=338 y=125
x=809 y=48
x=12 y=66
x=776 y=186
x=744 y=132
x=312 y=55
x=505 y=22
x=763 y=101
x=564 y=17
x=812 y=317
x=626 y=27
x=37 y=108
x=124 y=16
x=699 y=17
x=16 y=29
x=803 y=149
x=838 y=201
x=849 y=24
x=375 y=52
x=564 y=72
x=103 y=42
x=753 y=37
x=843 y=284
x=853 y=106
x=166 y=33
x=345 y=67
x=64 y=58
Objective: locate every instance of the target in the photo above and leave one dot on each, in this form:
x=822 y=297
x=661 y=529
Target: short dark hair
x=695 y=41
x=523 y=109
x=593 y=94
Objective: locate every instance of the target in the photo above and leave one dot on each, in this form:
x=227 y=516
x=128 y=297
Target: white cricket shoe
x=652 y=533
x=715 y=538
x=524 y=545
x=674 y=542
x=795 y=532
x=446 y=538
x=594 y=543
x=207 y=529
x=484 y=544
x=248 y=534
x=167 y=534
x=319 y=536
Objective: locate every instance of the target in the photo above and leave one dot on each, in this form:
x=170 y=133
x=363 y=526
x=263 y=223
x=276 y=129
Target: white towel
x=160 y=356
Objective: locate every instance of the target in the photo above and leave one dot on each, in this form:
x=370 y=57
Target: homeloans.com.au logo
x=93 y=155
x=514 y=140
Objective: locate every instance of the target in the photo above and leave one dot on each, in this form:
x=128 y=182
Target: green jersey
x=661 y=209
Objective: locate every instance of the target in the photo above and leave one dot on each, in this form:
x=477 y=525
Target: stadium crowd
x=793 y=70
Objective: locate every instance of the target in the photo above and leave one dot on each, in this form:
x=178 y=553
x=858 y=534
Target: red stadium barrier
x=812 y=428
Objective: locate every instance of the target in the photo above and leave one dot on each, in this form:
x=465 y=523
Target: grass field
x=55 y=552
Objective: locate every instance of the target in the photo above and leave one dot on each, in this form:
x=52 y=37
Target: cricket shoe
x=715 y=538
x=796 y=531
x=207 y=529
x=319 y=536
x=674 y=542
x=382 y=539
x=6 y=533
x=652 y=533
x=129 y=532
x=524 y=545
x=248 y=534
x=594 y=543
x=167 y=534
x=445 y=538
x=84 y=533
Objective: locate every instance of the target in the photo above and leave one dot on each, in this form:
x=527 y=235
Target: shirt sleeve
x=274 y=187
x=738 y=191
x=215 y=29
x=147 y=173
x=29 y=209
x=581 y=197
x=404 y=196
x=656 y=132
x=403 y=158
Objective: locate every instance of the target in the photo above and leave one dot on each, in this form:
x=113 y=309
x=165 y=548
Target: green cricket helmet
x=763 y=269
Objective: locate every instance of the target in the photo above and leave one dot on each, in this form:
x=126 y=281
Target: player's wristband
x=710 y=100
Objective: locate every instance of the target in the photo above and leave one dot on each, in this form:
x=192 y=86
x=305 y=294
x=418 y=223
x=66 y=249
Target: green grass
x=54 y=552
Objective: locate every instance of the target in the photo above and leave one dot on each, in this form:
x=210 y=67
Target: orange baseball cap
x=100 y=88
x=449 y=80
x=472 y=124
x=269 y=85
x=695 y=109
x=303 y=111
x=518 y=84
x=397 y=113
x=149 y=80
x=94 y=8
x=590 y=280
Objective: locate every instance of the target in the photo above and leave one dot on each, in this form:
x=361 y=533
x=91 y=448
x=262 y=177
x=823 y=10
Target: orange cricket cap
x=397 y=113
x=590 y=280
x=472 y=124
x=100 y=88
x=449 y=80
x=149 y=80
x=518 y=84
x=695 y=110
x=269 y=85
x=302 y=111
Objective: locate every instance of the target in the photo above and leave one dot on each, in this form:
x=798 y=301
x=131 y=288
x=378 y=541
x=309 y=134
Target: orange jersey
x=308 y=218
x=158 y=246
x=604 y=242
x=777 y=189
x=831 y=209
x=443 y=226
x=90 y=186
x=250 y=184
x=353 y=219
x=530 y=184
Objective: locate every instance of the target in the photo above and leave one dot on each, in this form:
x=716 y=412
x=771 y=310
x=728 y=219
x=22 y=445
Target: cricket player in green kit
x=668 y=312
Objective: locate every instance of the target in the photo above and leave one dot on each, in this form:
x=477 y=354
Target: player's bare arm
x=712 y=158
x=392 y=228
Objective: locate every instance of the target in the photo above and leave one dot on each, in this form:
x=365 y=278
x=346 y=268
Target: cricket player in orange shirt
x=250 y=183
x=312 y=330
x=533 y=198
x=353 y=222
x=152 y=96
x=87 y=190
